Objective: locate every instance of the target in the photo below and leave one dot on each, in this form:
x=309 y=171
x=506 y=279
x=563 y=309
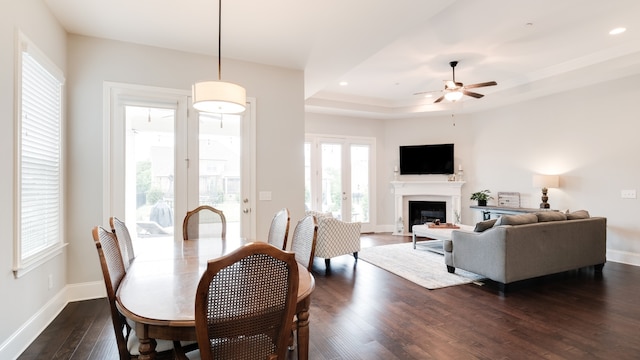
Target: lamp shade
x=453 y=95
x=546 y=181
x=219 y=97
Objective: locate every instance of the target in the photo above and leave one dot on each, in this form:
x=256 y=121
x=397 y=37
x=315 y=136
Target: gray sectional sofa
x=518 y=247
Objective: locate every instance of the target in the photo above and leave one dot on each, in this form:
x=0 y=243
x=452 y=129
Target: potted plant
x=482 y=197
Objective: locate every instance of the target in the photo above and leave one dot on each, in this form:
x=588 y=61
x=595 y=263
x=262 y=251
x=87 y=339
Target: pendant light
x=219 y=96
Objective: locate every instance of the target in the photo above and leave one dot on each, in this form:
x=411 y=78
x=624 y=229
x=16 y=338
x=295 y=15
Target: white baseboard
x=29 y=331
x=384 y=228
x=624 y=257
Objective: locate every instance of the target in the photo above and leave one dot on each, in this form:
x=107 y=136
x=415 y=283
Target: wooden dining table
x=158 y=291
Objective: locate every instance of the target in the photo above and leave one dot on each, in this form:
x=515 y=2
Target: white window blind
x=40 y=158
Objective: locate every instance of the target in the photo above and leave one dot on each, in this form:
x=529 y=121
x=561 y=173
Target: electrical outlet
x=50 y=281
x=628 y=194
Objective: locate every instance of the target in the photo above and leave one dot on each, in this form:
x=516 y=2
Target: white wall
x=22 y=298
x=279 y=117
x=588 y=136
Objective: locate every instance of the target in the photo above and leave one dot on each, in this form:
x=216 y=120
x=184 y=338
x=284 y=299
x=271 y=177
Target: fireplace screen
x=421 y=212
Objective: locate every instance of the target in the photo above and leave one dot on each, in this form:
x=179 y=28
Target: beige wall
x=22 y=298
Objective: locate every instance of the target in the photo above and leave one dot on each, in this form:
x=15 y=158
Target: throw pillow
x=578 y=214
x=550 y=216
x=484 y=225
x=516 y=219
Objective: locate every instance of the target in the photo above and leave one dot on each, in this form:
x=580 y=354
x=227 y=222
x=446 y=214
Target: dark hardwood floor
x=360 y=311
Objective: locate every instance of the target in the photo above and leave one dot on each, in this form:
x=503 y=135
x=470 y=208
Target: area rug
x=421 y=266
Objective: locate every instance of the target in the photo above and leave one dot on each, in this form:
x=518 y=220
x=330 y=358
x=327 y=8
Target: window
x=39 y=169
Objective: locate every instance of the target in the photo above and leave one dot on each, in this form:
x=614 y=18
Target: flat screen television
x=426 y=159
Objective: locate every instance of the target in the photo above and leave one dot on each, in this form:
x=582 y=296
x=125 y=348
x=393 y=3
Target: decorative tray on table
x=443 y=226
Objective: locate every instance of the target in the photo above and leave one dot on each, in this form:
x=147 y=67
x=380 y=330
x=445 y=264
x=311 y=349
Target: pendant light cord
x=219 y=39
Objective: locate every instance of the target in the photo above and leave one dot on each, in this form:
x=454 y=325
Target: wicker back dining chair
x=204 y=221
x=113 y=271
x=279 y=229
x=245 y=304
x=119 y=228
x=303 y=241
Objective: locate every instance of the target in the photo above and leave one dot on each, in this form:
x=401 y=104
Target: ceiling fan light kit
x=219 y=96
x=454 y=91
x=453 y=95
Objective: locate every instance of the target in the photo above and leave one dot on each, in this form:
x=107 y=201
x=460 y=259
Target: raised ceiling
x=389 y=50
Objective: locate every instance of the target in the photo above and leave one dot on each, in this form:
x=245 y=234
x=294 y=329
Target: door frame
x=315 y=140
x=114 y=94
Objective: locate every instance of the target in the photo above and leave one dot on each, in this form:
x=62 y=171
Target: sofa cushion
x=484 y=225
x=516 y=219
x=578 y=214
x=550 y=216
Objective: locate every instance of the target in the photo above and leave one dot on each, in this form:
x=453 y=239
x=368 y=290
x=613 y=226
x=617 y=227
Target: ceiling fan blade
x=488 y=83
x=439 y=99
x=472 y=94
x=426 y=92
x=452 y=85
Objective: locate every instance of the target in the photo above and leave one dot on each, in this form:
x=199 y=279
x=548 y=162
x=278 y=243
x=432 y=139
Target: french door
x=339 y=178
x=165 y=158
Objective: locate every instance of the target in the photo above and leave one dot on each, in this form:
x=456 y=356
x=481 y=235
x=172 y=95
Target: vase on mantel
x=482 y=202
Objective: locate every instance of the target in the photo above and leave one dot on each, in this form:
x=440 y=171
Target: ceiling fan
x=453 y=91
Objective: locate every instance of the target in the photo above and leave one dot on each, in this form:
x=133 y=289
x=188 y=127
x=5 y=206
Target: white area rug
x=420 y=266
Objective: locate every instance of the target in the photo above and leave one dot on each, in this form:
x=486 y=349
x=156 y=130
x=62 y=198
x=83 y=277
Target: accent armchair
x=336 y=237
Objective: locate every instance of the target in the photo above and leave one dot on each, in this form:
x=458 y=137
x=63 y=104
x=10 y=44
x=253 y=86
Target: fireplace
x=421 y=212
x=447 y=192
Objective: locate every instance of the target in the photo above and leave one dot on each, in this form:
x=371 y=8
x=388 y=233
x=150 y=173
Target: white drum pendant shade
x=219 y=97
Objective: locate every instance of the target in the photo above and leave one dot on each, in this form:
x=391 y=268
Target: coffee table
x=436 y=234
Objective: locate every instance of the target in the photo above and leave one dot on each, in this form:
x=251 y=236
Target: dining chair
x=303 y=244
x=303 y=241
x=113 y=271
x=204 y=221
x=245 y=303
x=279 y=229
x=119 y=228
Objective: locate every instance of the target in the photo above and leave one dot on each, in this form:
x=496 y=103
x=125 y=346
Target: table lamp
x=545 y=182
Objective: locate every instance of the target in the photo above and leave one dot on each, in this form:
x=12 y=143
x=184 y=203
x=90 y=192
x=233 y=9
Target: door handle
x=245 y=210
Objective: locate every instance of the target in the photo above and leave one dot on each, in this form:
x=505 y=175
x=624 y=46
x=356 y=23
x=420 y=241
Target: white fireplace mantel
x=449 y=191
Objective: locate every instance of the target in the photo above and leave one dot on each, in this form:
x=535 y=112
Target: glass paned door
x=150 y=170
x=360 y=188
x=165 y=159
x=331 y=170
x=219 y=178
x=338 y=178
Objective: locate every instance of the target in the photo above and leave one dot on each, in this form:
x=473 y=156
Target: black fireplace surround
x=421 y=212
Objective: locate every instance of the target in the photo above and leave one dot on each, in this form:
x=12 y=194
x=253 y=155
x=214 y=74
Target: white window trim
x=23 y=266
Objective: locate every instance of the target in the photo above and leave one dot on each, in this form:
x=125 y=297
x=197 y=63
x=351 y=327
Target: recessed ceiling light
x=618 y=30
x=343 y=83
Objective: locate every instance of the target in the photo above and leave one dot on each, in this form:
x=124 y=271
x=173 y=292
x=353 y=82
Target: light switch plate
x=264 y=195
x=628 y=194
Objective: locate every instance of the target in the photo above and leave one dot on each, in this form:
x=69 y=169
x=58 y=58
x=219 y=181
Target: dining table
x=159 y=288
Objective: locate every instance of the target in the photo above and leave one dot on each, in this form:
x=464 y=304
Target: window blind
x=40 y=199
